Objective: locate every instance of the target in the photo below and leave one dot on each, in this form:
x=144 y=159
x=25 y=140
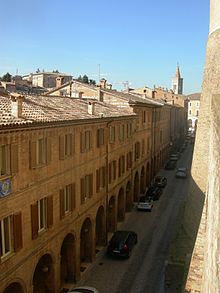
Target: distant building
x=47 y=79
x=193 y=110
x=177 y=82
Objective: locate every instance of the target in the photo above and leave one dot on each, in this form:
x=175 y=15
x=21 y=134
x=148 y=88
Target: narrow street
x=144 y=270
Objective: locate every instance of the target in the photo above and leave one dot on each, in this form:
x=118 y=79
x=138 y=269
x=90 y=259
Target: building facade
x=193 y=102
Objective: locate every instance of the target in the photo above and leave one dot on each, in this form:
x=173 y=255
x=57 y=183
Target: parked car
x=181 y=172
x=154 y=192
x=170 y=165
x=174 y=157
x=122 y=243
x=160 y=181
x=145 y=203
x=84 y=289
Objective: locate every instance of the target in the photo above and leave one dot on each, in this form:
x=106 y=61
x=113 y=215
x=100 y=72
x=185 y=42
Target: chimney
x=102 y=83
x=16 y=105
x=109 y=86
x=91 y=108
x=80 y=95
x=100 y=95
x=59 y=81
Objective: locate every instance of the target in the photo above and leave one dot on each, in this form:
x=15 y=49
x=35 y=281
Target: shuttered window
x=67 y=199
x=6 y=236
x=100 y=178
x=137 y=151
x=40 y=152
x=66 y=145
x=86 y=187
x=100 y=137
x=5 y=160
x=129 y=160
x=86 y=141
x=112 y=134
x=41 y=215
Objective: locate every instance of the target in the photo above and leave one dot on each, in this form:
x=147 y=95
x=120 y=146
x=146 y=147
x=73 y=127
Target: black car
x=170 y=165
x=122 y=243
x=154 y=191
x=160 y=181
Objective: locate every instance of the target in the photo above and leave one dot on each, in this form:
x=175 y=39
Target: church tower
x=177 y=82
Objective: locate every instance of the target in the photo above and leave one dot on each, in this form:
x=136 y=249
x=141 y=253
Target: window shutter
x=33 y=154
x=98 y=137
x=82 y=184
x=90 y=185
x=103 y=176
x=110 y=173
x=14 y=158
x=73 y=197
x=34 y=220
x=48 y=146
x=17 y=231
x=72 y=144
x=61 y=204
x=82 y=139
x=62 y=146
x=119 y=167
x=97 y=180
x=114 y=169
x=49 y=211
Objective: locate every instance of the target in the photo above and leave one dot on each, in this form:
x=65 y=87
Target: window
x=10 y=234
x=8 y=159
x=121 y=166
x=86 y=141
x=148 y=144
x=41 y=215
x=190 y=104
x=143 y=116
x=190 y=112
x=100 y=178
x=137 y=151
x=67 y=200
x=67 y=145
x=129 y=130
x=112 y=134
x=129 y=160
x=121 y=132
x=4 y=160
x=161 y=136
x=100 y=137
x=40 y=152
x=112 y=171
x=143 y=147
x=197 y=113
x=86 y=187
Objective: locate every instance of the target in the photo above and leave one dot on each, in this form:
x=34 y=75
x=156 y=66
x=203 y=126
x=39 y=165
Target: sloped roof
x=194 y=96
x=41 y=109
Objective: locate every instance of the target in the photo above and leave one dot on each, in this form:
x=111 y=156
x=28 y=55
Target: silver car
x=145 y=203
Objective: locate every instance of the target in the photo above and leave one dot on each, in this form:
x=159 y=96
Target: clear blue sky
x=139 y=41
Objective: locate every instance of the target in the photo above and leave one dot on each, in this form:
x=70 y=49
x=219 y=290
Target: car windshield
x=142 y=199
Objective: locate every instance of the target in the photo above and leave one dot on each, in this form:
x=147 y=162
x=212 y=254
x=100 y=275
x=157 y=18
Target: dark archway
x=142 y=184
x=128 y=201
x=43 y=280
x=68 y=260
x=111 y=215
x=86 y=244
x=100 y=228
x=14 y=288
x=121 y=206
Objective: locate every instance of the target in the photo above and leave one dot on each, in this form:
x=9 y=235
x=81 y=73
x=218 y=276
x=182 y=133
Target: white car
x=181 y=172
x=84 y=289
x=145 y=203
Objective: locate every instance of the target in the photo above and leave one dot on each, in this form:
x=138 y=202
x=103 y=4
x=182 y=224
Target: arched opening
x=121 y=205
x=100 y=229
x=128 y=203
x=189 y=124
x=14 y=288
x=43 y=280
x=136 y=187
x=68 y=260
x=86 y=245
x=148 y=175
x=151 y=170
x=142 y=185
x=111 y=215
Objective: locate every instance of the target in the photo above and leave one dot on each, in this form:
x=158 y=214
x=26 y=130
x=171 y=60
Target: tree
x=6 y=77
x=85 y=79
x=92 y=82
x=56 y=71
x=38 y=70
x=79 y=78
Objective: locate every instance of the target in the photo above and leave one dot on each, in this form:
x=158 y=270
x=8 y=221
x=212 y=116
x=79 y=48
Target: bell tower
x=177 y=82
